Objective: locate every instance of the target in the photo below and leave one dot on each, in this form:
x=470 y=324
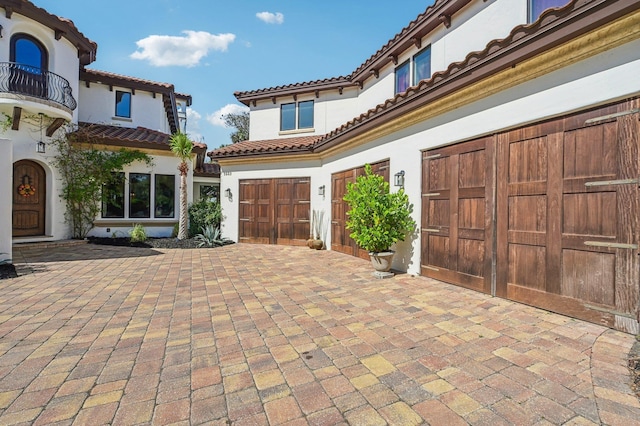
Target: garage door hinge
x=610 y=245
x=612 y=182
x=430 y=157
x=611 y=116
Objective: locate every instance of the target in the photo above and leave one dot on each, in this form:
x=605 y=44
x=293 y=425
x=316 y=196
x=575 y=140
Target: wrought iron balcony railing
x=31 y=81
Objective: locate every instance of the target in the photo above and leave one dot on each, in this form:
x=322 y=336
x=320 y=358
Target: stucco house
x=513 y=126
x=44 y=85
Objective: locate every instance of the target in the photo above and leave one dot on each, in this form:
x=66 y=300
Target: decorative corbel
x=446 y=20
x=417 y=41
x=317 y=92
x=8 y=11
x=254 y=103
x=273 y=99
x=340 y=89
x=295 y=97
x=394 y=59
x=58 y=34
x=375 y=73
x=55 y=125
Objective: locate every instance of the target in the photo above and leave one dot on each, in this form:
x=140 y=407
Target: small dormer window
x=536 y=7
x=123 y=104
x=422 y=65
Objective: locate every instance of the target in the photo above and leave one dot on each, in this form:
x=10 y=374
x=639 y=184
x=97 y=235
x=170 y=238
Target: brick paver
x=253 y=334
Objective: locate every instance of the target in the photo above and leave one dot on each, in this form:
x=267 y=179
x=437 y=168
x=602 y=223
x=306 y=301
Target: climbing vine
x=86 y=171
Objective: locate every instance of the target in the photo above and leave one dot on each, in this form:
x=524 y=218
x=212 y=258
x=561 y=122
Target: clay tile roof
x=208 y=170
x=109 y=77
x=324 y=84
x=269 y=146
x=133 y=137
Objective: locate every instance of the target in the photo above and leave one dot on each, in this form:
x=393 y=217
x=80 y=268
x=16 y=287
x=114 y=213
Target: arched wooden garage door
x=557 y=227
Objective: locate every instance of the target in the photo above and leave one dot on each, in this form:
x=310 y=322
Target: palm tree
x=181 y=146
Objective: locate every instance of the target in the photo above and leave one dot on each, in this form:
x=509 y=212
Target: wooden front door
x=274 y=211
x=567 y=217
x=29 y=199
x=340 y=239
x=457 y=205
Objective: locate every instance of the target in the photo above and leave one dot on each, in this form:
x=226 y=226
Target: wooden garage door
x=567 y=218
x=457 y=205
x=563 y=207
x=340 y=239
x=274 y=211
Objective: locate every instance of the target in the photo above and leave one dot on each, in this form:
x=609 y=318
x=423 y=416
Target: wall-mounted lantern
x=227 y=193
x=321 y=190
x=398 y=178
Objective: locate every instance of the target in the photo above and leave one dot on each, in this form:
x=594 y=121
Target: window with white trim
x=296 y=115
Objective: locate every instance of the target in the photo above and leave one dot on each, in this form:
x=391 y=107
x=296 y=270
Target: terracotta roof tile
x=96 y=75
x=138 y=137
x=208 y=170
x=269 y=146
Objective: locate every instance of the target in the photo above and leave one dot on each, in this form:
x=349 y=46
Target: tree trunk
x=184 y=213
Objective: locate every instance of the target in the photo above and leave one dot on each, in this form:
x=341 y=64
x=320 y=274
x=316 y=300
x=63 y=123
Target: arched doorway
x=29 y=199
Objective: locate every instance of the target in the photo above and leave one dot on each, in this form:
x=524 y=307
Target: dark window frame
x=158 y=196
x=296 y=121
x=117 y=194
x=416 y=57
x=300 y=116
x=397 y=87
x=282 y=116
x=44 y=54
x=119 y=99
x=134 y=201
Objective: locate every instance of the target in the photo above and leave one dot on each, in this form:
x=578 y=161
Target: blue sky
x=210 y=49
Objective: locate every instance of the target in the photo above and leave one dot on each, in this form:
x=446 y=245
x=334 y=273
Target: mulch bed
x=7 y=271
x=634 y=366
x=167 y=243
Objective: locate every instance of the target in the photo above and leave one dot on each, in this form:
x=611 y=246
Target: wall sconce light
x=1 y=28
x=41 y=147
x=398 y=178
x=227 y=193
x=321 y=190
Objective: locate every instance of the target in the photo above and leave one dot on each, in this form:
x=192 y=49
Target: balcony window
x=402 y=77
x=123 y=104
x=165 y=196
x=536 y=7
x=139 y=195
x=29 y=52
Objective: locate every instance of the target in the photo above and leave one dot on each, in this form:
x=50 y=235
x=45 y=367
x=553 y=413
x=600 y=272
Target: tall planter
x=377 y=217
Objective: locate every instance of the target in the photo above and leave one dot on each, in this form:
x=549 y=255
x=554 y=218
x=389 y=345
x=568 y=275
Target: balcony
x=19 y=79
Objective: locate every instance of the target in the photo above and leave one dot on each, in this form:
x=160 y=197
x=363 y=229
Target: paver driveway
x=250 y=334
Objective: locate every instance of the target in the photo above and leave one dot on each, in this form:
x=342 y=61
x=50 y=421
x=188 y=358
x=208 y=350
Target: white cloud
x=185 y=51
x=271 y=18
x=193 y=125
x=216 y=117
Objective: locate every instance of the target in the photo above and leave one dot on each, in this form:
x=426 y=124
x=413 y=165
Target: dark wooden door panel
x=274 y=211
x=567 y=220
x=457 y=213
x=29 y=199
x=340 y=239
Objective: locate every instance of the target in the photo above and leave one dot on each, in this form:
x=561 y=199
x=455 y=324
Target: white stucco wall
x=6 y=178
x=601 y=79
x=98 y=105
x=471 y=29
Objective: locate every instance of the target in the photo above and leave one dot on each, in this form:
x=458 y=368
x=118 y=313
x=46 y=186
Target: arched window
x=28 y=75
x=29 y=52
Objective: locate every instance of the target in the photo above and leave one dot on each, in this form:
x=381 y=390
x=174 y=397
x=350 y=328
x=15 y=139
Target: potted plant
x=317 y=244
x=378 y=218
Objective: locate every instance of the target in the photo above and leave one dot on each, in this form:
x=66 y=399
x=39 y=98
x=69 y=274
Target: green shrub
x=210 y=237
x=138 y=234
x=378 y=218
x=202 y=214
